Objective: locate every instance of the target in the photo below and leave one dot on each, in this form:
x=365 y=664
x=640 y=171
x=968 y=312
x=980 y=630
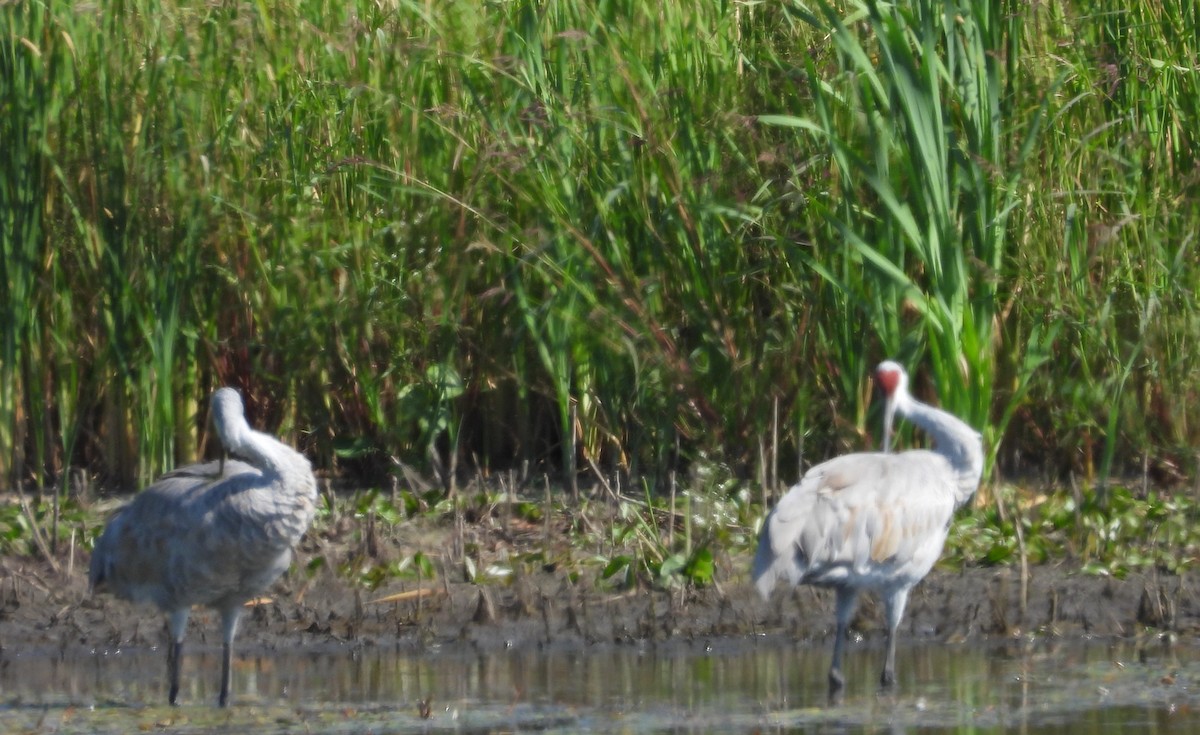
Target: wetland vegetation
x=539 y=263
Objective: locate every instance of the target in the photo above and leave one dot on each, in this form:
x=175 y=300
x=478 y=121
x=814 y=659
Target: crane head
x=227 y=416
x=891 y=377
x=894 y=381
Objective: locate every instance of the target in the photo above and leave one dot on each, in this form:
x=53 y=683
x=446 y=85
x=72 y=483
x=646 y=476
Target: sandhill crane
x=873 y=520
x=215 y=534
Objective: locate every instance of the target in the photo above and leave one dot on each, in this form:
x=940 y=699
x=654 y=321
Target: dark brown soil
x=46 y=609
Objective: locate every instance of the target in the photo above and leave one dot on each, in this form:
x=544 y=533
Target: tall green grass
x=910 y=104
x=1111 y=243
x=31 y=66
x=641 y=238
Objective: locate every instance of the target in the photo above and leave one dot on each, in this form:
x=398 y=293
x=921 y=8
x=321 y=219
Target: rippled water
x=707 y=686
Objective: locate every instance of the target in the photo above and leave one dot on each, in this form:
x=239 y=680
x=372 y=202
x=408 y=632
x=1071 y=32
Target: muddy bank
x=46 y=610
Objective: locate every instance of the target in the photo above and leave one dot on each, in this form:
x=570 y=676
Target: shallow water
x=734 y=685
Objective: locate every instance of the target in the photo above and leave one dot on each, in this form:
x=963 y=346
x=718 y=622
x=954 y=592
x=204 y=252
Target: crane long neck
x=267 y=453
x=953 y=439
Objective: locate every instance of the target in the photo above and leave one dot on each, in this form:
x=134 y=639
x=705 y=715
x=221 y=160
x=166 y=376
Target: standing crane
x=216 y=534
x=873 y=520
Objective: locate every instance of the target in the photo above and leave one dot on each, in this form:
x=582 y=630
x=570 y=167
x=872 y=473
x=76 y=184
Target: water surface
x=738 y=685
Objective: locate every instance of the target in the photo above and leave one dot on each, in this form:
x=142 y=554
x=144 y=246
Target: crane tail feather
x=766 y=564
x=96 y=571
x=101 y=566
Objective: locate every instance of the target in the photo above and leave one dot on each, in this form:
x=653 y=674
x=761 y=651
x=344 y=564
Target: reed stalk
x=635 y=237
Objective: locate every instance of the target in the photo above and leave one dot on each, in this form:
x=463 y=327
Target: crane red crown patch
x=888 y=378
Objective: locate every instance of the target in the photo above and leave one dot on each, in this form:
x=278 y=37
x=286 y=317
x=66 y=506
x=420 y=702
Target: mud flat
x=51 y=611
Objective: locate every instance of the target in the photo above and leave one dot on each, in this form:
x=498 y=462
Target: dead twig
x=416 y=594
x=38 y=538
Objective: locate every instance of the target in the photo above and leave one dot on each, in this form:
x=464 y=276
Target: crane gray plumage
x=216 y=534
x=873 y=520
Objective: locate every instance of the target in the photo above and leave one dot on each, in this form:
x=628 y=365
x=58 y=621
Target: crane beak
x=212 y=432
x=889 y=417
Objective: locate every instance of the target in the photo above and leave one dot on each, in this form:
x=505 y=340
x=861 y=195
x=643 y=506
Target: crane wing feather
x=196 y=534
x=856 y=518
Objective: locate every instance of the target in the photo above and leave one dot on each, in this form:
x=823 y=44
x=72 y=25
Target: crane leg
x=229 y=624
x=176 y=627
x=846 y=599
x=226 y=673
x=174 y=654
x=894 y=608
